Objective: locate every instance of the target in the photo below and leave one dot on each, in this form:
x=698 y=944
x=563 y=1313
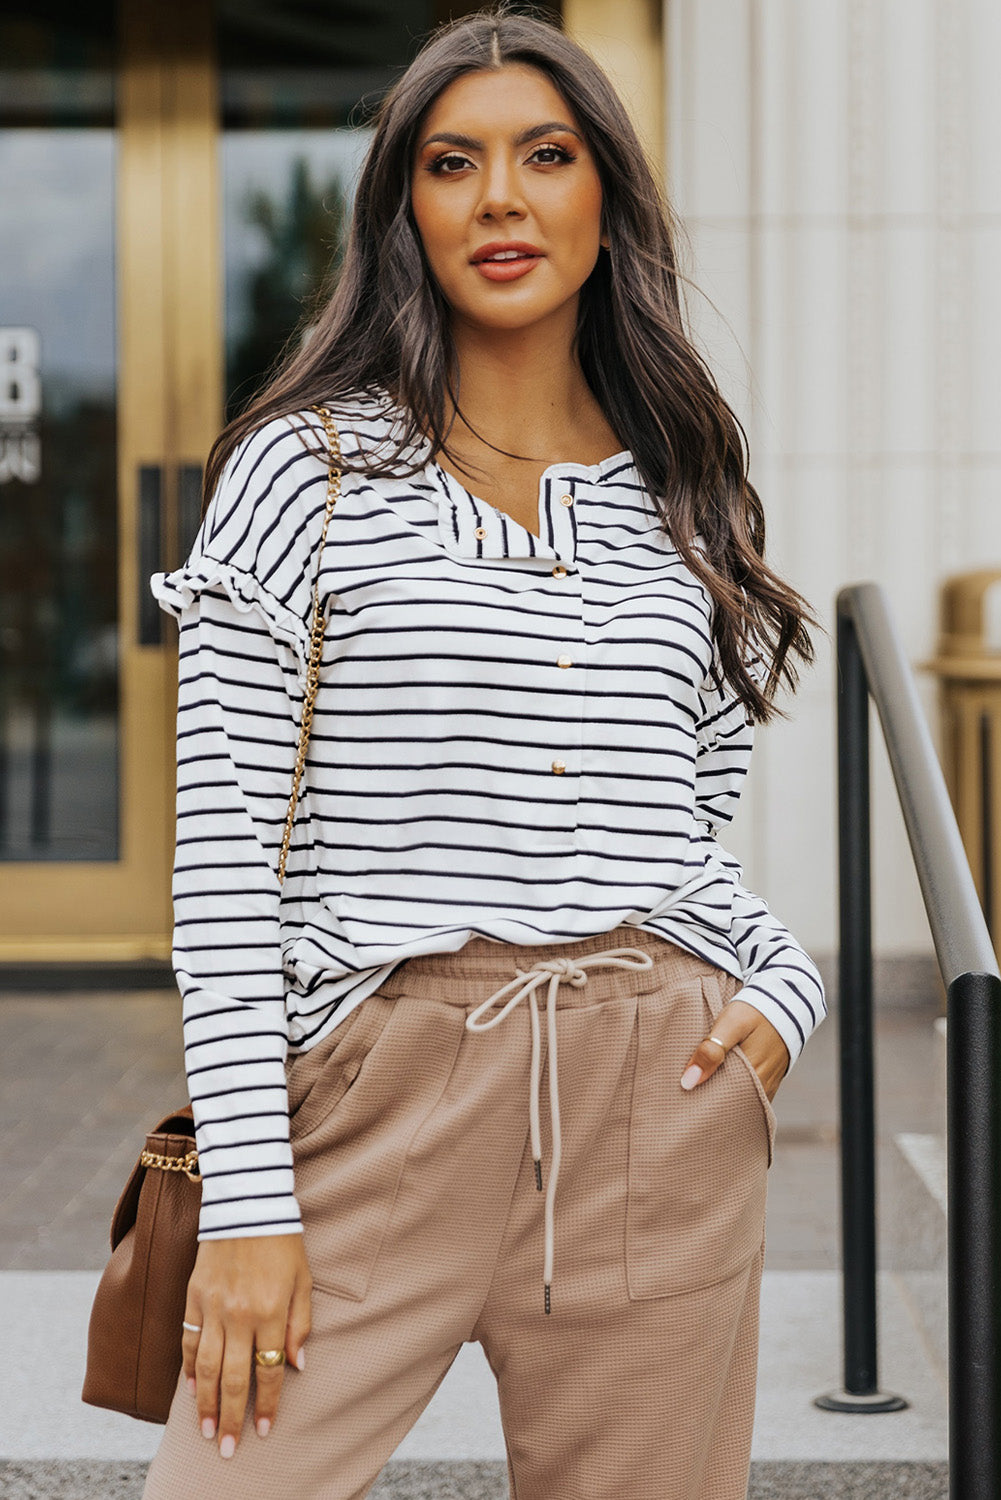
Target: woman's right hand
x=244 y=1294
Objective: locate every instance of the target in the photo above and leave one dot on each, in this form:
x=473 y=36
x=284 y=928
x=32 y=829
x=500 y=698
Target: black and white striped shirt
x=518 y=737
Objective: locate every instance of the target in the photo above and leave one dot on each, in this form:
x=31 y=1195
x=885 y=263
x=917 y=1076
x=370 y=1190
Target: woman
x=549 y=630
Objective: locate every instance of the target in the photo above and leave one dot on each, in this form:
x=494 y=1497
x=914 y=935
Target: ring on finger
x=718 y=1042
x=192 y=1327
x=270 y=1359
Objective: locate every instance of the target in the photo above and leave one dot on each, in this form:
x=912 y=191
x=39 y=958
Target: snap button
x=559 y=766
x=564 y=661
x=566 y=499
x=480 y=533
x=559 y=572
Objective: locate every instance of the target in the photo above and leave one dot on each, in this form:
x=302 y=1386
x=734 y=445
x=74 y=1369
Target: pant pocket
x=698 y=1160
x=319 y=1079
x=719 y=990
x=362 y=1120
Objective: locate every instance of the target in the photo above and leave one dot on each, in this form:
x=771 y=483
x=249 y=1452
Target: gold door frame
x=170 y=339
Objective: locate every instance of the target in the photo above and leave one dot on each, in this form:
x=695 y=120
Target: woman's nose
x=500 y=197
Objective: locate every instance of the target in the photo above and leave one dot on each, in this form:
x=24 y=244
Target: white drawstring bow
x=556 y=970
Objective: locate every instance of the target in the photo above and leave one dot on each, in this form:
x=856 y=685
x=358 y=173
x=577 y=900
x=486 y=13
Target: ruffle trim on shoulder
x=175 y=591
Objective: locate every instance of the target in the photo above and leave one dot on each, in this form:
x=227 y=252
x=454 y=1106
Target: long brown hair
x=386 y=328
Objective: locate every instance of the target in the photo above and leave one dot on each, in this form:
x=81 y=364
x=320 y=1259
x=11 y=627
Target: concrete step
x=915 y=1214
x=488 y=1481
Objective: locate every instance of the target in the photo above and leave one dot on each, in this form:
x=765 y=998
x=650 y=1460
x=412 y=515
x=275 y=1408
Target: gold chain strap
x=316 y=634
x=187 y=1164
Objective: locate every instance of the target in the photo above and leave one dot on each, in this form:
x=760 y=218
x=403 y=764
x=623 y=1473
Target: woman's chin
x=511 y=316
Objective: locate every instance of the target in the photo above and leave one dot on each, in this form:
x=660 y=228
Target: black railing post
x=974 y=1148
x=871 y=660
x=860 y=1392
x=858 y=1129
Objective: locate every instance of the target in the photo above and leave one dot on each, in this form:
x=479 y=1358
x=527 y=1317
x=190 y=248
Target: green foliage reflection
x=304 y=240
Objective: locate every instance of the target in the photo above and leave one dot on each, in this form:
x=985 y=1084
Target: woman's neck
x=523 y=392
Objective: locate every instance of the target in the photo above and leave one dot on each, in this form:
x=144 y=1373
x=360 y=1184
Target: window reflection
x=287 y=198
x=58 y=480
x=297 y=85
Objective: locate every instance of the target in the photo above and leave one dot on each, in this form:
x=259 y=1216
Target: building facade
x=835 y=163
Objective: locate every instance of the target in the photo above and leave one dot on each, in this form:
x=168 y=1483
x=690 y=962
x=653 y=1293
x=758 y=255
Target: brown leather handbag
x=134 y=1340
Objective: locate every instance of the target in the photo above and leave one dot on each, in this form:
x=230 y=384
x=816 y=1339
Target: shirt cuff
x=786 y=1013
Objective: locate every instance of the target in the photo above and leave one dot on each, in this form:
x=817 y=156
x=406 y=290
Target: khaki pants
x=425 y=1228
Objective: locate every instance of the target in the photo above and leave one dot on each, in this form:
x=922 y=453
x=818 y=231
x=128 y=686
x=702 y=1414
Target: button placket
x=563 y=761
x=561 y=494
x=563 y=766
x=485 y=531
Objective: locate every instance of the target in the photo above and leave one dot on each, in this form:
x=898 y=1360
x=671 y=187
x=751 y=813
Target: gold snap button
x=559 y=766
x=564 y=661
x=559 y=572
x=480 y=533
x=566 y=499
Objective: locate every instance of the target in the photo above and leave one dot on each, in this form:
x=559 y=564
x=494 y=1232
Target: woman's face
x=501 y=162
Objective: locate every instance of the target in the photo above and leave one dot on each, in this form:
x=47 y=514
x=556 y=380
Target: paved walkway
x=85 y=1074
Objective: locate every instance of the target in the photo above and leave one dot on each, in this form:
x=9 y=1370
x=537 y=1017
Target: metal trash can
x=968 y=667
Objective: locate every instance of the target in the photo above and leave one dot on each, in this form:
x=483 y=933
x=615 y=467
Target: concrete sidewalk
x=45 y=1315
x=105 y=1065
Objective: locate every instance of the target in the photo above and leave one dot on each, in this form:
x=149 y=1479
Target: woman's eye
x=447 y=166
x=552 y=154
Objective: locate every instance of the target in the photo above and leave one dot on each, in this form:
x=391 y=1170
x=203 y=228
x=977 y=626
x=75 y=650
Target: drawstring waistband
x=573 y=971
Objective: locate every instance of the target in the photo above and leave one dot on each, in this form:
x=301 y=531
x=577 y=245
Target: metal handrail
x=871 y=662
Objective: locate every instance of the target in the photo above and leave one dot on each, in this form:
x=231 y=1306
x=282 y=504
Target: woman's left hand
x=740 y=1024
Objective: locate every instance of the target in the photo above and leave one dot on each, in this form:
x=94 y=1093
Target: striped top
x=517 y=737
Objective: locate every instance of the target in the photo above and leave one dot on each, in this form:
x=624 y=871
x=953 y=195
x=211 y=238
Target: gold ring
x=718 y=1042
x=269 y=1358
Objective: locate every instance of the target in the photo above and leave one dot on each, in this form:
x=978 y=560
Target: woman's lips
x=507 y=270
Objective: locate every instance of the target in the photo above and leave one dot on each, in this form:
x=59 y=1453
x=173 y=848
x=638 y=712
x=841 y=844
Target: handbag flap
x=174 y=1136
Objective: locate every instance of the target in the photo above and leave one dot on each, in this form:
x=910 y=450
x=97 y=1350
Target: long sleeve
x=780 y=979
x=235 y=752
x=242 y=601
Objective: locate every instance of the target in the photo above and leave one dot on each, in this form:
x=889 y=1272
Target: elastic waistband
x=465 y=976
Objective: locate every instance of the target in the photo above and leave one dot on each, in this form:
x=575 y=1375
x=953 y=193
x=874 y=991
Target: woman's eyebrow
x=447 y=138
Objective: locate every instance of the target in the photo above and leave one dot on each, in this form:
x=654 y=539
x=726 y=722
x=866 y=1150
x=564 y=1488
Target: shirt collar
x=469 y=527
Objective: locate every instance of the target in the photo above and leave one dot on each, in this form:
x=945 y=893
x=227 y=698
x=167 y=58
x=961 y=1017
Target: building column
x=835 y=165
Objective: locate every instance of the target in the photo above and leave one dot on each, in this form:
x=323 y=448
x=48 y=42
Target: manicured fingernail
x=300 y=1360
x=228 y=1446
x=263 y=1427
x=208 y=1427
x=691 y=1076
x=191 y=1384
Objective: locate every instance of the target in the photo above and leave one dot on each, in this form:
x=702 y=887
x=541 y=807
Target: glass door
x=59 y=652
x=110 y=392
